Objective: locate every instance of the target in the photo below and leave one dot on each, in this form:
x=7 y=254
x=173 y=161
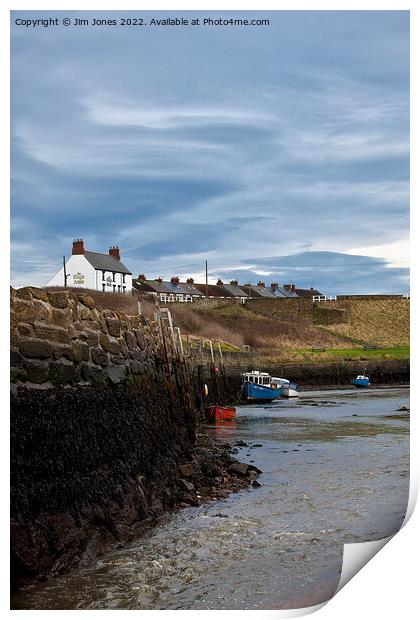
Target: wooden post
x=207 y=282
x=65 y=272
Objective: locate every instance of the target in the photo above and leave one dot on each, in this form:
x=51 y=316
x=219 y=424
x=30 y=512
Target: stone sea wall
x=62 y=338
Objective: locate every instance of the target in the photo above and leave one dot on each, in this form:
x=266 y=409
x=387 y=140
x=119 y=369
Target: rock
x=24 y=293
x=186 y=470
x=61 y=371
x=257 y=445
x=86 y=300
x=80 y=351
x=34 y=347
x=187 y=485
x=116 y=374
x=37 y=371
x=404 y=408
x=255 y=483
x=254 y=468
x=241 y=443
x=241 y=469
x=17 y=374
x=58 y=299
x=114 y=327
x=99 y=356
x=45 y=331
x=26 y=329
x=190 y=500
x=38 y=293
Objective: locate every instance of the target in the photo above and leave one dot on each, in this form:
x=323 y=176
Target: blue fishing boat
x=258 y=387
x=361 y=381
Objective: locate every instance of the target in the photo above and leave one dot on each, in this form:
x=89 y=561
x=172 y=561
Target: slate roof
x=282 y=292
x=192 y=289
x=235 y=290
x=258 y=291
x=307 y=292
x=150 y=286
x=105 y=262
x=214 y=290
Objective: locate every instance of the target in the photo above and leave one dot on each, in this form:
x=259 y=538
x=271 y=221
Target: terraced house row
x=106 y=272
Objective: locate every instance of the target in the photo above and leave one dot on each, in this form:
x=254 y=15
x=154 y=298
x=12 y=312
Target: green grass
x=387 y=353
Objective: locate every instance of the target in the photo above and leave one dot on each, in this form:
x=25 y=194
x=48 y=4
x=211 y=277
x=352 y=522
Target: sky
x=278 y=153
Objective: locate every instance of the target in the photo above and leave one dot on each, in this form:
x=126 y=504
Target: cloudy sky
x=276 y=152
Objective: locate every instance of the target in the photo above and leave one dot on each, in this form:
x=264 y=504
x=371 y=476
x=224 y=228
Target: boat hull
x=289 y=392
x=220 y=413
x=253 y=392
x=361 y=383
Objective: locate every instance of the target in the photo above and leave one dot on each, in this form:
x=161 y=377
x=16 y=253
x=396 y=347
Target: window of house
x=119 y=288
x=123 y=277
x=103 y=275
x=113 y=276
x=113 y=288
x=103 y=287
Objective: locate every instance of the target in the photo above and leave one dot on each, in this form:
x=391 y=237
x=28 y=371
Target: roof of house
x=105 y=262
x=235 y=290
x=306 y=292
x=258 y=291
x=282 y=292
x=150 y=286
x=192 y=289
x=214 y=290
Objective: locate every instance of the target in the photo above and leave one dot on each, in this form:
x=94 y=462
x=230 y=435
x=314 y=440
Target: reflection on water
x=336 y=470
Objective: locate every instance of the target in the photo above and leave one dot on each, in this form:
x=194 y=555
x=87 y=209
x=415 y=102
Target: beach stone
x=241 y=469
x=62 y=350
x=188 y=486
x=186 y=470
x=26 y=329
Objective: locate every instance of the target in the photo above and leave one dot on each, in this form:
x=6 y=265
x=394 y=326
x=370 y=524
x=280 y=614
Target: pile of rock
x=213 y=473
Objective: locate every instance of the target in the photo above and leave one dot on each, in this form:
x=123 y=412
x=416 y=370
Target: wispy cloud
x=237 y=152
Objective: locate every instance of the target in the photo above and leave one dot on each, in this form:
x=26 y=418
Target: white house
x=101 y=272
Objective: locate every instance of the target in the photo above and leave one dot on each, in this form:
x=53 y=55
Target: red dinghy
x=220 y=413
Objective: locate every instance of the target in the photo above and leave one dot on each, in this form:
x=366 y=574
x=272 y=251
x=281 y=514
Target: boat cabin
x=261 y=378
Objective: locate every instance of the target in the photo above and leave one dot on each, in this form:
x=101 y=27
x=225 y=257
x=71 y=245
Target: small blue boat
x=361 y=381
x=258 y=387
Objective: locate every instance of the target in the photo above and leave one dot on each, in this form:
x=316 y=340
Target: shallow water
x=335 y=470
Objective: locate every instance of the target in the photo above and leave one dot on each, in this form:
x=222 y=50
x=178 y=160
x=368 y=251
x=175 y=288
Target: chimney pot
x=219 y=282
x=261 y=284
x=159 y=280
x=175 y=280
x=274 y=286
x=142 y=277
x=234 y=282
x=190 y=281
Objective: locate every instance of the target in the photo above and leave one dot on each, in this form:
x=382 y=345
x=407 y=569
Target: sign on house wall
x=78 y=278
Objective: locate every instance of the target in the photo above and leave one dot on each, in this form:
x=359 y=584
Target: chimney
x=142 y=277
x=159 y=280
x=190 y=280
x=78 y=247
x=261 y=284
x=115 y=252
x=290 y=287
x=312 y=288
x=274 y=286
x=219 y=282
x=234 y=282
x=175 y=280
